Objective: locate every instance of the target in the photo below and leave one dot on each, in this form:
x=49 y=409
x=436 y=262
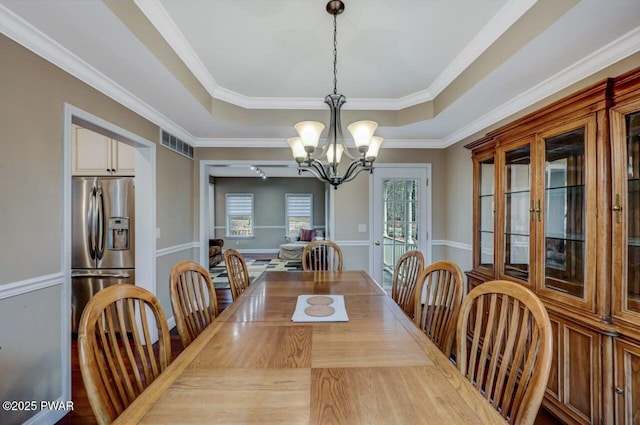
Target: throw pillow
x=307 y=235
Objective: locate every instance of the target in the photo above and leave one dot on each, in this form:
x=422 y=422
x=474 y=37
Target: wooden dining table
x=254 y=365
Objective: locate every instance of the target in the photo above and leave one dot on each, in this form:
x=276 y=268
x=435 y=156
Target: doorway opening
x=144 y=159
x=401 y=210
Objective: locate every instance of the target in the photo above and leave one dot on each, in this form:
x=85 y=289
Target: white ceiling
x=432 y=72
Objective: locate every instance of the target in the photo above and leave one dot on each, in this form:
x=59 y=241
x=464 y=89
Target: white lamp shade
x=309 y=132
x=374 y=147
x=339 y=149
x=362 y=132
x=297 y=148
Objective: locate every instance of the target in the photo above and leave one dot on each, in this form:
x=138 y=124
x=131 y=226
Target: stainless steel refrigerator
x=103 y=242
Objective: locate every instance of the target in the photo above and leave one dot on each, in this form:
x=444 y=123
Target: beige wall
x=458 y=202
x=176 y=198
x=31 y=187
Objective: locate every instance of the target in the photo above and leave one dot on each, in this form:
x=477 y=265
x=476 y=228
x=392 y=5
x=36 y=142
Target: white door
x=401 y=206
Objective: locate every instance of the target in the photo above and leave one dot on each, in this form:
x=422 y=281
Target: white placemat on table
x=339 y=315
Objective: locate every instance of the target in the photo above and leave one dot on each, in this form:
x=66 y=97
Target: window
x=239 y=215
x=299 y=210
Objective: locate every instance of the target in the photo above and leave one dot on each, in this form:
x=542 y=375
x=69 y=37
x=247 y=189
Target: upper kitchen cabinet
x=97 y=155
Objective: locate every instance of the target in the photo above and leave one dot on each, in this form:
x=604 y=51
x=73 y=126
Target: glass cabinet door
x=626 y=209
x=486 y=209
x=568 y=213
x=517 y=212
x=633 y=211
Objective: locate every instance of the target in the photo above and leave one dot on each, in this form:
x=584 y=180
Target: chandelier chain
x=335 y=53
x=309 y=133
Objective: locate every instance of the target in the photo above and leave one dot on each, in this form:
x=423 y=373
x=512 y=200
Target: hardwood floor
x=82 y=414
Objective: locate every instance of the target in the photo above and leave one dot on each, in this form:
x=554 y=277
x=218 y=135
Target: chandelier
x=305 y=145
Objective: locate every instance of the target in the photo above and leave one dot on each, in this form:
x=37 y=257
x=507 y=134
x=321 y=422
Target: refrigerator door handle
x=91 y=223
x=103 y=275
x=100 y=223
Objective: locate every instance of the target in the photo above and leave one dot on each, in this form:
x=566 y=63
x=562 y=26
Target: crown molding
x=281 y=143
x=314 y=103
x=608 y=55
x=25 y=34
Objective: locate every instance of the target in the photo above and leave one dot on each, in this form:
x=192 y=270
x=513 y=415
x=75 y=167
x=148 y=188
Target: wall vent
x=177 y=145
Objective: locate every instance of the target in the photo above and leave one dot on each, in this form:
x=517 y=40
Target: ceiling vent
x=172 y=142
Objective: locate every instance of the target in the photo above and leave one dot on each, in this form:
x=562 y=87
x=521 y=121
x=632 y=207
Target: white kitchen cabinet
x=97 y=155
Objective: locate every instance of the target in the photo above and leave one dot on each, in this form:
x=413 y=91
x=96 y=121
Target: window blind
x=240 y=205
x=299 y=205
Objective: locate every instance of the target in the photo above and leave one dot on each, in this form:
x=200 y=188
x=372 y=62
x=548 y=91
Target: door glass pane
x=633 y=215
x=400 y=205
x=517 y=194
x=486 y=204
x=564 y=220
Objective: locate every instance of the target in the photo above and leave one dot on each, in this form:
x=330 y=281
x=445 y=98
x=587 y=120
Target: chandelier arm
x=320 y=170
x=347 y=178
x=309 y=170
x=353 y=166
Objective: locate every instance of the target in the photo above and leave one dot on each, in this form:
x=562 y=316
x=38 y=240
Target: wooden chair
x=504 y=347
x=437 y=299
x=237 y=272
x=322 y=255
x=118 y=365
x=193 y=299
x=405 y=275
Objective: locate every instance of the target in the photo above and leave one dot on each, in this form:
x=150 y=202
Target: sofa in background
x=215 y=251
x=292 y=250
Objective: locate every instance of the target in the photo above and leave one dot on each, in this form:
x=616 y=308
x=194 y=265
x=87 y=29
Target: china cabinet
x=557 y=209
x=94 y=154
